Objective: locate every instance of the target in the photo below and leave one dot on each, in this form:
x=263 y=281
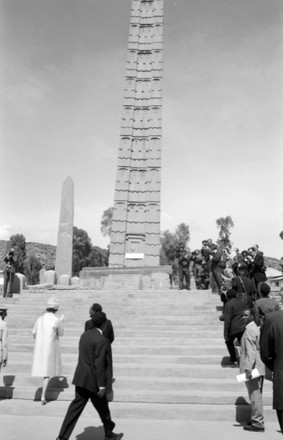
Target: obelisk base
x=137 y=278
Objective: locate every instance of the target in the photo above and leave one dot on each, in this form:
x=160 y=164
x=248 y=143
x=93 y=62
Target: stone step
x=149 y=396
x=169 y=354
x=162 y=349
x=71 y=358
x=151 y=383
x=142 y=341
x=239 y=411
x=137 y=331
x=142 y=370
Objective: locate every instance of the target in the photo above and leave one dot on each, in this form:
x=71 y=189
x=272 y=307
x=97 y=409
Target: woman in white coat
x=47 y=357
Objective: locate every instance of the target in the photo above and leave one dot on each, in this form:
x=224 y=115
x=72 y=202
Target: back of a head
x=96 y=308
x=265 y=289
x=98 y=319
x=231 y=293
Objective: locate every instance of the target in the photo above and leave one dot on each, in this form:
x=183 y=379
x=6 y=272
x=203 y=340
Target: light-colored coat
x=47 y=357
x=250 y=352
x=3 y=341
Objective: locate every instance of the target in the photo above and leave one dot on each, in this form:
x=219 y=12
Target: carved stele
x=64 y=251
x=135 y=236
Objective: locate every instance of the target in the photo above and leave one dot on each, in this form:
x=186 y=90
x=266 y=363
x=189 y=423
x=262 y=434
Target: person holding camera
x=9 y=274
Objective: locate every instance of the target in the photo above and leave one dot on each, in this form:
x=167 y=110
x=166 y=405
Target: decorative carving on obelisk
x=64 y=251
x=135 y=236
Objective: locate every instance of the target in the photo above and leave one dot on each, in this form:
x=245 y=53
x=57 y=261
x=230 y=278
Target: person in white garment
x=47 y=357
x=3 y=337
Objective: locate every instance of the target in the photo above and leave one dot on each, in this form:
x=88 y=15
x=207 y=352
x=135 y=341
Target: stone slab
x=138 y=278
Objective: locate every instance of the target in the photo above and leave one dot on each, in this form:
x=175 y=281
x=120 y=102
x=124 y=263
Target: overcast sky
x=62 y=79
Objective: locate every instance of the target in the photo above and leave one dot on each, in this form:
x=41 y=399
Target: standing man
x=184 y=270
x=271 y=351
x=89 y=380
x=108 y=333
x=265 y=304
x=244 y=286
x=215 y=270
x=9 y=273
x=107 y=327
x=234 y=325
x=3 y=337
x=250 y=359
x=258 y=268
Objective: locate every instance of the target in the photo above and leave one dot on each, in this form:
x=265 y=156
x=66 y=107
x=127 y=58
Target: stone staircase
x=170 y=360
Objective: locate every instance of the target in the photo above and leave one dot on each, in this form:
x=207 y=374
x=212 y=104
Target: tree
x=281 y=235
x=32 y=268
x=18 y=242
x=171 y=241
x=98 y=257
x=106 y=222
x=183 y=234
x=81 y=249
x=224 y=224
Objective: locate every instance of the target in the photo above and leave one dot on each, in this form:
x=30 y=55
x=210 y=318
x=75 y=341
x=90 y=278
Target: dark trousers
x=216 y=278
x=280 y=418
x=231 y=347
x=77 y=406
x=184 y=279
x=8 y=282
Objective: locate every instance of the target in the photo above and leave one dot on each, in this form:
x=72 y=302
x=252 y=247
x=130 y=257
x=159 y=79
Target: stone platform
x=137 y=278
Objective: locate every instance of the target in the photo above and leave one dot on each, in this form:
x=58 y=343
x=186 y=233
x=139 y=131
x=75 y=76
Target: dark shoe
x=233 y=364
x=114 y=436
x=253 y=428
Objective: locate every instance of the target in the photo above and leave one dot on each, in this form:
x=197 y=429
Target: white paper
x=242 y=377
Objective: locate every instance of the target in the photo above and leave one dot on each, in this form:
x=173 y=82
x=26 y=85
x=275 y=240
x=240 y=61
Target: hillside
x=46 y=253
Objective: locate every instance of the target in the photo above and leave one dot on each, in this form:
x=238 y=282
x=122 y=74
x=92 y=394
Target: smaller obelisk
x=64 y=251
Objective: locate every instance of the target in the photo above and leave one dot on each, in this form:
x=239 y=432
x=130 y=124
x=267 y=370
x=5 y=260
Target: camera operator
x=9 y=273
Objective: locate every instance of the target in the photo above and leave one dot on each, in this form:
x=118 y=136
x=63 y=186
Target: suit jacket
x=91 y=369
x=271 y=350
x=244 y=285
x=108 y=333
x=257 y=265
x=250 y=350
x=107 y=329
x=233 y=317
x=263 y=306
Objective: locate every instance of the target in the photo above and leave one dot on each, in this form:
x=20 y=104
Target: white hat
x=53 y=303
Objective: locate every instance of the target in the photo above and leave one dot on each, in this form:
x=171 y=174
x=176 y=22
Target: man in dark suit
x=90 y=381
x=9 y=273
x=244 y=286
x=108 y=333
x=258 y=269
x=234 y=325
x=107 y=327
x=271 y=351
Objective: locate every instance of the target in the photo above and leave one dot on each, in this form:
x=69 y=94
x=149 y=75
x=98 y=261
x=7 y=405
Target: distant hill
x=272 y=262
x=46 y=253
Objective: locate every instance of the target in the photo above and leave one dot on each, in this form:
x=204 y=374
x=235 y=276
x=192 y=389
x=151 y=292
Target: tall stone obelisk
x=64 y=251
x=135 y=236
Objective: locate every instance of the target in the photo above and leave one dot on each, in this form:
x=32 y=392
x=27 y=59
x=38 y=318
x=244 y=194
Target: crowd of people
x=93 y=375
x=253 y=334
x=213 y=266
